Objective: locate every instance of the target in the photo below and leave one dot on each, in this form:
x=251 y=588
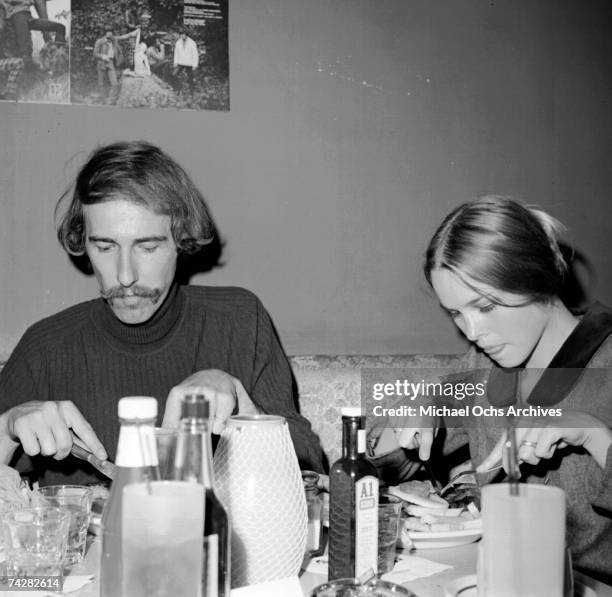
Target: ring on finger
x=530 y=444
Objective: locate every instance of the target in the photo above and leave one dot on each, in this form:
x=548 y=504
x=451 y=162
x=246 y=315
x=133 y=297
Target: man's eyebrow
x=99 y=239
x=145 y=239
x=151 y=239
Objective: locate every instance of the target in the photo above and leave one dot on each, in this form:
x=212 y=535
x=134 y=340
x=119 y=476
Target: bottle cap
x=137 y=407
x=351 y=411
x=195 y=406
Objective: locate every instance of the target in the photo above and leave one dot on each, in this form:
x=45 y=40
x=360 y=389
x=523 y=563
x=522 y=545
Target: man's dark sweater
x=86 y=355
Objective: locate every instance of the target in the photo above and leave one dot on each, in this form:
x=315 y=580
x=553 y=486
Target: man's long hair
x=140 y=172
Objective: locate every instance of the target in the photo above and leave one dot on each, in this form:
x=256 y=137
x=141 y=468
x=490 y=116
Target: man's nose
x=127 y=272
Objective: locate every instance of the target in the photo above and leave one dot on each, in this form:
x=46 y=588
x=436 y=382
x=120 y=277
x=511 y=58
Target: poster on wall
x=129 y=53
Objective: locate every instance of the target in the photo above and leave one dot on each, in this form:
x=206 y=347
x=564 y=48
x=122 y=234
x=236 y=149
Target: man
x=107 y=54
x=158 y=61
x=133 y=213
x=18 y=13
x=186 y=59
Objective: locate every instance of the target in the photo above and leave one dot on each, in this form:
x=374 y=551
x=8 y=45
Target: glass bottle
x=353 y=504
x=136 y=461
x=193 y=462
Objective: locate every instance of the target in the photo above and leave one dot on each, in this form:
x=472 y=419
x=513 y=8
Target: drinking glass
x=76 y=500
x=523 y=544
x=389 y=507
x=35 y=541
x=314 y=505
x=162 y=539
x=165 y=439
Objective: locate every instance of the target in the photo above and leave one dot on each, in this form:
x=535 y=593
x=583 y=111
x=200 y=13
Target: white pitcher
x=258 y=480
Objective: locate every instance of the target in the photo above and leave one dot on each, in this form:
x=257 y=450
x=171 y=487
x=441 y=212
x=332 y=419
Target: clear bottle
x=314 y=505
x=136 y=461
x=193 y=462
x=353 y=504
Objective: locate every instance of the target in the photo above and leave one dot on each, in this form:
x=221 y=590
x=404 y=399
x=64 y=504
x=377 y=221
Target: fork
x=465 y=473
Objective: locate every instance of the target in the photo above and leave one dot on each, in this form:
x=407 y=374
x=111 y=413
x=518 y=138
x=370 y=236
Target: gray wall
x=355 y=125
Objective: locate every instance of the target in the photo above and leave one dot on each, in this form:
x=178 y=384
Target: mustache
x=119 y=292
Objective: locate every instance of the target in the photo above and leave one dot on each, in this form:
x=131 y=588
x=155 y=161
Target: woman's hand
x=543 y=437
x=420 y=438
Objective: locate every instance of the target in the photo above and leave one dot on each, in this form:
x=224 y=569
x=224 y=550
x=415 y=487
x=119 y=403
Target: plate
x=466 y=587
x=437 y=540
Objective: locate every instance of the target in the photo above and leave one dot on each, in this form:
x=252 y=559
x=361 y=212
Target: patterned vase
x=258 y=480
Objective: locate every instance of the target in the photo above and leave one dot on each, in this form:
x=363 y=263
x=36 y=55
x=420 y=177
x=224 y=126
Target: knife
x=106 y=467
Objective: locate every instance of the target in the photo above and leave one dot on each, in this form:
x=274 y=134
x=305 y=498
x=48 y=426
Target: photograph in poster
x=128 y=53
x=34 y=55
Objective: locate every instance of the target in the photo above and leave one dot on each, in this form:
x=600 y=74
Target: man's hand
x=542 y=437
x=44 y=427
x=222 y=390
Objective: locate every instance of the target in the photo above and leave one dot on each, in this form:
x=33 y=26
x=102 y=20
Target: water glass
x=389 y=507
x=35 y=541
x=162 y=534
x=314 y=505
x=76 y=500
x=523 y=544
x=165 y=439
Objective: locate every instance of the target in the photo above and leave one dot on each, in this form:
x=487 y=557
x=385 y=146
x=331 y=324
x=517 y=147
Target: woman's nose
x=472 y=330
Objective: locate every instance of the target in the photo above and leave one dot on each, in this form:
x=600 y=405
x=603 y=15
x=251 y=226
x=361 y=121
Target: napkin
x=71 y=583
x=406 y=568
x=409 y=567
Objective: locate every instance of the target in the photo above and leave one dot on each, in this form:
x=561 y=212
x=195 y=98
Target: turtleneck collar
x=150 y=334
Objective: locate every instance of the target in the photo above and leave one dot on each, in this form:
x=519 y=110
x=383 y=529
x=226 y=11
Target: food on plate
x=420 y=493
x=427 y=512
x=14 y=493
x=464 y=494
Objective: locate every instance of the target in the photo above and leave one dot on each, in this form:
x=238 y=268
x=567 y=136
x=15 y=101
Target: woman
x=497 y=270
x=140 y=87
x=141 y=61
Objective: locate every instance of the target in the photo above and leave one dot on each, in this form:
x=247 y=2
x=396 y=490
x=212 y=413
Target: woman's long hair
x=499 y=242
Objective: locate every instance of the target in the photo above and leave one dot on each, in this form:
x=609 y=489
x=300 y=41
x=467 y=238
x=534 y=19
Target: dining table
x=461 y=560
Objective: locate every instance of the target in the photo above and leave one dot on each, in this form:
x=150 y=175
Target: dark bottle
x=353 y=504
x=136 y=461
x=193 y=462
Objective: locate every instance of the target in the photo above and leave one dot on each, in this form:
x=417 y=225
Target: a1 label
x=366 y=525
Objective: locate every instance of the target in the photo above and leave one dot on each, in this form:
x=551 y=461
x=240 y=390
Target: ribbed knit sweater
x=86 y=355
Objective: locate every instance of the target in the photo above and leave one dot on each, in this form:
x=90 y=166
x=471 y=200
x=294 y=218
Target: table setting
x=460 y=540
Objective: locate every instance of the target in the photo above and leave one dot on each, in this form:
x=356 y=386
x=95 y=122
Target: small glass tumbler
x=166 y=440
x=76 y=500
x=389 y=507
x=314 y=504
x=35 y=541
